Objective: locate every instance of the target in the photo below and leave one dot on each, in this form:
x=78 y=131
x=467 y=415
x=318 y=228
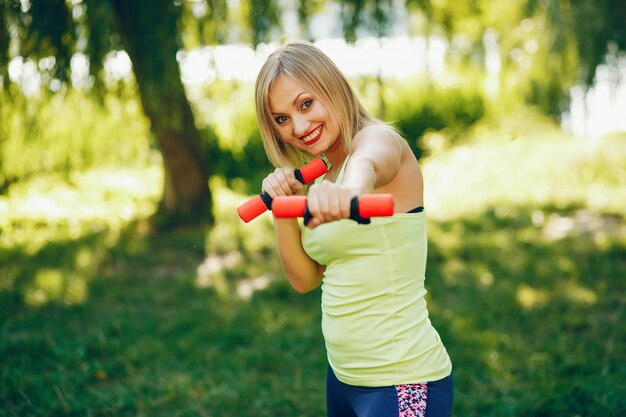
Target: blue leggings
x=433 y=399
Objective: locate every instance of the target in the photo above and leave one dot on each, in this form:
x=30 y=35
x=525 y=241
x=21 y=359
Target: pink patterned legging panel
x=412 y=400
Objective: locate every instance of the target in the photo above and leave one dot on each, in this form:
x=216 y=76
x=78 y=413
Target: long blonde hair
x=316 y=72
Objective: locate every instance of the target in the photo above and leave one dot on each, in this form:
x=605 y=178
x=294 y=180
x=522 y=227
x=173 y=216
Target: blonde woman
x=385 y=357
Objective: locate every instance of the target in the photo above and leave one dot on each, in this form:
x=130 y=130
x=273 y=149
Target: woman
x=385 y=358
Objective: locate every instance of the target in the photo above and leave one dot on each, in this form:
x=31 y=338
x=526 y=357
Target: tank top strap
x=341 y=171
x=339 y=176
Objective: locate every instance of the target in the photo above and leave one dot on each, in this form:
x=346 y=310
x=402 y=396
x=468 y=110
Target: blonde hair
x=316 y=72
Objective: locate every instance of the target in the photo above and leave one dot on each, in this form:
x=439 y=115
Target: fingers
x=328 y=202
x=282 y=182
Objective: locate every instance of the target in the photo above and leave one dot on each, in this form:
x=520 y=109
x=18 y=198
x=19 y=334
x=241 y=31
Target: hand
x=282 y=182
x=328 y=202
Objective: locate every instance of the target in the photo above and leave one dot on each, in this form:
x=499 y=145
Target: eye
x=281 y=119
x=306 y=104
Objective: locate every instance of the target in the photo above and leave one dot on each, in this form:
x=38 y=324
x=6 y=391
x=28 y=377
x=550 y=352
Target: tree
x=151 y=33
x=549 y=44
x=186 y=192
x=148 y=32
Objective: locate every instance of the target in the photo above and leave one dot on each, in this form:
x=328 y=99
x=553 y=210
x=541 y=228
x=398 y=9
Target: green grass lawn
x=99 y=316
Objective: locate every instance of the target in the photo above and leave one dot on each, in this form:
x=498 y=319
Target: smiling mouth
x=313 y=136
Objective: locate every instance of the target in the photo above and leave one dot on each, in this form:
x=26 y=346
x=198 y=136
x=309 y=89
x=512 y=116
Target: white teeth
x=312 y=135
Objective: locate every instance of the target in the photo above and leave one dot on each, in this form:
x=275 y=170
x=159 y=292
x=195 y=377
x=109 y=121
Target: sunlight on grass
x=56 y=285
x=558 y=171
x=579 y=294
x=529 y=297
x=583 y=222
x=252 y=235
x=239 y=255
x=45 y=208
x=210 y=273
x=89 y=209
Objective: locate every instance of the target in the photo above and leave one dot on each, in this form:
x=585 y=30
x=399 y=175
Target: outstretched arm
x=376 y=156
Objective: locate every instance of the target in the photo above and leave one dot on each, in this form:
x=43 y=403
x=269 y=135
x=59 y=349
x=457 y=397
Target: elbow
x=302 y=285
x=302 y=288
x=304 y=281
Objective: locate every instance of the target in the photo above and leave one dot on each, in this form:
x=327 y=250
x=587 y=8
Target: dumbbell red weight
x=361 y=209
x=263 y=202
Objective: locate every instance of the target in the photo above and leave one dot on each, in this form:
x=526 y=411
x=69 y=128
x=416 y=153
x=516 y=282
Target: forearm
x=303 y=273
x=375 y=160
x=361 y=175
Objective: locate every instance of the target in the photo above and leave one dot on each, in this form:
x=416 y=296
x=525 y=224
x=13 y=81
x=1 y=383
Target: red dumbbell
x=263 y=202
x=361 y=208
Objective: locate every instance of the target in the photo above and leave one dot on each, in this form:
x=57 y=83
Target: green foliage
x=149 y=33
x=204 y=23
x=9 y=11
x=62 y=133
x=262 y=17
x=244 y=170
x=545 y=47
x=99 y=315
x=416 y=107
x=307 y=9
x=96 y=18
x=519 y=163
x=118 y=133
x=596 y=26
x=226 y=115
x=225 y=111
x=375 y=16
x=47 y=29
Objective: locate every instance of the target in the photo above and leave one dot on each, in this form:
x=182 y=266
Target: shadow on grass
x=145 y=339
x=531 y=314
x=530 y=302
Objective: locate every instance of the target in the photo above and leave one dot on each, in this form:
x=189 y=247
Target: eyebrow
x=297 y=97
x=294 y=100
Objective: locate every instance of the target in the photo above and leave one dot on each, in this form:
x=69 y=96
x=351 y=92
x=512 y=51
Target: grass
x=100 y=316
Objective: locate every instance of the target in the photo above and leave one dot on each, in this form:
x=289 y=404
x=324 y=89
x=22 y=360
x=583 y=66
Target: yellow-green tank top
x=374 y=316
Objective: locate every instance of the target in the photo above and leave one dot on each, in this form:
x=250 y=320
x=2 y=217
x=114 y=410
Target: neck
x=336 y=157
x=335 y=161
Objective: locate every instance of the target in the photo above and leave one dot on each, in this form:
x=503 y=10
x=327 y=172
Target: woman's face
x=304 y=121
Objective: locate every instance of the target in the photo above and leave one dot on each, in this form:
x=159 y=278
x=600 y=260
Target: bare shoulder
x=379 y=130
x=379 y=134
x=407 y=183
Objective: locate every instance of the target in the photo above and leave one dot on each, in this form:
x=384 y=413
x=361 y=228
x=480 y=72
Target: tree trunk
x=149 y=35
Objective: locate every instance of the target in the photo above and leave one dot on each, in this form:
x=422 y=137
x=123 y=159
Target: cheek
x=322 y=111
x=283 y=133
x=327 y=115
x=333 y=125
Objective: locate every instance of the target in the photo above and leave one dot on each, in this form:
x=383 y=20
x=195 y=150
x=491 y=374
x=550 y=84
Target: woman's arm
x=303 y=273
x=377 y=155
x=375 y=159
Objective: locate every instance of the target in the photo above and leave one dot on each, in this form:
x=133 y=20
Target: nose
x=300 y=125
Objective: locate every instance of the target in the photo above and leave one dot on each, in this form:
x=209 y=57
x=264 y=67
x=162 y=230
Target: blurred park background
x=129 y=286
